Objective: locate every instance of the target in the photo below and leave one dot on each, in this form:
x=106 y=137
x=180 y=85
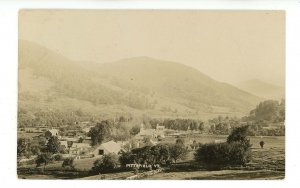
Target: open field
x=270 y=141
x=110 y=176
x=27 y=135
x=266 y=163
x=80 y=165
x=273 y=144
x=215 y=175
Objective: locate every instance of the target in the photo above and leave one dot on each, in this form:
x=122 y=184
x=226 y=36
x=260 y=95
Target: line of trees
x=184 y=124
x=149 y=155
x=157 y=154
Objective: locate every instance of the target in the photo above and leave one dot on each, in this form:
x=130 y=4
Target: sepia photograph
x=151 y=94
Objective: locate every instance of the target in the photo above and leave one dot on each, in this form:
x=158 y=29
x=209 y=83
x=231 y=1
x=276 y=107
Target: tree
x=100 y=132
x=135 y=130
x=236 y=151
x=269 y=110
x=262 y=143
x=35 y=149
x=106 y=164
x=144 y=155
x=120 y=133
x=126 y=158
x=177 y=151
x=201 y=126
x=222 y=154
x=239 y=134
x=57 y=157
x=23 y=147
x=161 y=153
x=53 y=145
x=68 y=162
x=180 y=141
x=147 y=141
x=43 y=158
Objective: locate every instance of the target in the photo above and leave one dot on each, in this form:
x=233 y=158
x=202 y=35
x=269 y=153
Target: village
x=126 y=148
x=78 y=145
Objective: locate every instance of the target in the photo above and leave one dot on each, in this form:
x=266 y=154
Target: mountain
x=139 y=85
x=262 y=89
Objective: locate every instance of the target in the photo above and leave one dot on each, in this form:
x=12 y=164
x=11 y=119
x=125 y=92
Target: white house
x=64 y=143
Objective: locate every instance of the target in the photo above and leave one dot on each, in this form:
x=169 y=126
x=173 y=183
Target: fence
x=144 y=174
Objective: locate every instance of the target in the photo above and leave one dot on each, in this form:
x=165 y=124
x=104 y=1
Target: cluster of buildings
x=78 y=145
x=157 y=133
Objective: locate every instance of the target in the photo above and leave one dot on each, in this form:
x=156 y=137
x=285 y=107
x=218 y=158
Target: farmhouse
x=108 y=147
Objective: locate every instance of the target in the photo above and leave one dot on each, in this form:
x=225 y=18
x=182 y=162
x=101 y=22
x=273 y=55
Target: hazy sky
x=229 y=46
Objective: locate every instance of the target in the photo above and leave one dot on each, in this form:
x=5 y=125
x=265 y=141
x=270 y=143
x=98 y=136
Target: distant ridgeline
x=48 y=81
x=55 y=91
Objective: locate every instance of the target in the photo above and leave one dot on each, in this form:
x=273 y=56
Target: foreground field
x=266 y=163
x=218 y=175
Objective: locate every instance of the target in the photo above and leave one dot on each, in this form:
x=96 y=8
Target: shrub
x=134 y=130
x=23 y=148
x=43 y=158
x=58 y=157
x=68 y=162
x=236 y=151
x=177 y=151
x=239 y=134
x=106 y=164
x=126 y=158
x=53 y=145
x=223 y=154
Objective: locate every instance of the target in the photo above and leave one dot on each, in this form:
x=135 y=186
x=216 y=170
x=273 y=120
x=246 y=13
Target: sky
x=229 y=46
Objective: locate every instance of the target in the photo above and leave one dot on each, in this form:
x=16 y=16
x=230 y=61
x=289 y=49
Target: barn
x=107 y=148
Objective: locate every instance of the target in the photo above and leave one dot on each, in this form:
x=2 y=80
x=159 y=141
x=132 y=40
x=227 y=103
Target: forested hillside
x=49 y=82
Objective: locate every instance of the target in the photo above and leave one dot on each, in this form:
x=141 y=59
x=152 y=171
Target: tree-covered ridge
x=269 y=110
x=138 y=83
x=267 y=119
x=73 y=80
